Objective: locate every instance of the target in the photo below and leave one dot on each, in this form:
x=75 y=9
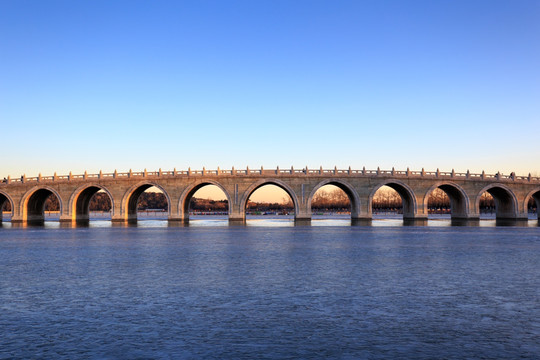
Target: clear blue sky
x=162 y=84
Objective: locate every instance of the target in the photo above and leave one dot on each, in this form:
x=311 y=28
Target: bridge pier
x=302 y=220
x=465 y=221
x=415 y=220
x=178 y=221
x=237 y=222
x=361 y=221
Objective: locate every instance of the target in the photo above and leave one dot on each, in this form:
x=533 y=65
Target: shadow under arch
x=33 y=201
x=459 y=200
x=3 y=198
x=250 y=190
x=347 y=189
x=131 y=196
x=408 y=198
x=535 y=194
x=505 y=200
x=188 y=193
x=79 y=202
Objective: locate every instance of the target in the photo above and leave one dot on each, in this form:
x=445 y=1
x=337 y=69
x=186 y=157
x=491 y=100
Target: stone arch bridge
x=511 y=193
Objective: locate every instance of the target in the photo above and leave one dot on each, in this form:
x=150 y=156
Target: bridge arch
x=128 y=208
x=251 y=189
x=185 y=198
x=3 y=198
x=408 y=198
x=79 y=202
x=32 y=204
x=347 y=188
x=459 y=200
x=506 y=204
x=535 y=194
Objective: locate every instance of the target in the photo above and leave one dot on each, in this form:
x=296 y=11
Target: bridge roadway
x=511 y=193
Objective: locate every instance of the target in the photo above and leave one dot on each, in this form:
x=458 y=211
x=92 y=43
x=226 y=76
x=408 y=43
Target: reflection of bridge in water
x=511 y=193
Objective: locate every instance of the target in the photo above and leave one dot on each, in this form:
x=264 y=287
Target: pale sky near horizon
x=90 y=85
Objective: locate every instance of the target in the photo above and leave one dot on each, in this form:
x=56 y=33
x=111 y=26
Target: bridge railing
x=273 y=172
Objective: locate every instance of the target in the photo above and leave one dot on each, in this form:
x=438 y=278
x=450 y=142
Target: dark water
x=217 y=292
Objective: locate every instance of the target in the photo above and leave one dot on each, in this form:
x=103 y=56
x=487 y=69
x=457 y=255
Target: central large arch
x=3 y=199
x=79 y=202
x=459 y=201
x=250 y=190
x=347 y=189
x=408 y=198
x=187 y=195
x=506 y=205
x=32 y=205
x=131 y=196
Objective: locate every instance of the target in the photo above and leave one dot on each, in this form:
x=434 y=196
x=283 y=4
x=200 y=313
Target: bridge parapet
x=412 y=174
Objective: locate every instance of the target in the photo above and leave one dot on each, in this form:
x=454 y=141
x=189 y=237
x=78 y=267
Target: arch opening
x=332 y=200
x=392 y=199
x=92 y=203
x=533 y=204
x=486 y=206
x=447 y=199
x=42 y=205
x=206 y=200
x=271 y=202
x=147 y=202
x=498 y=201
x=6 y=210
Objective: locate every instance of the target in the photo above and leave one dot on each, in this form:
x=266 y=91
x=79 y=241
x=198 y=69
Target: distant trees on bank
x=386 y=199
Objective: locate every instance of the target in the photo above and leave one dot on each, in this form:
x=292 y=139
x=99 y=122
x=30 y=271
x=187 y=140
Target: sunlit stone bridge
x=511 y=193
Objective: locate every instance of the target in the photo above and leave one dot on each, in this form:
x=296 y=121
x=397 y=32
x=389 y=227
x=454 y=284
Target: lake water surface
x=269 y=291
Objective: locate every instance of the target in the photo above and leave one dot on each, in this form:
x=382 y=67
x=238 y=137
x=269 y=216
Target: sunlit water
x=270 y=290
